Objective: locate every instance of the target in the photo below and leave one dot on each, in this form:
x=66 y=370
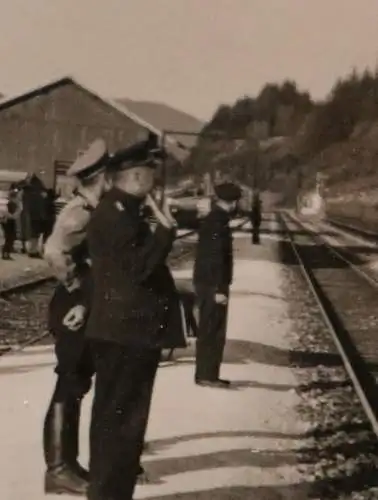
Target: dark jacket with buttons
x=131 y=282
x=214 y=257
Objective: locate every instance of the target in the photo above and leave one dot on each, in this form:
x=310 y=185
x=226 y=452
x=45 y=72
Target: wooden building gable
x=43 y=129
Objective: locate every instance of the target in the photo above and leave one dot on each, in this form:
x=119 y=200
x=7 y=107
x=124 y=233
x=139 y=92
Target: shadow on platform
x=249 y=293
x=246 y=351
x=241 y=457
x=361 y=479
x=159 y=469
x=157 y=445
x=325 y=489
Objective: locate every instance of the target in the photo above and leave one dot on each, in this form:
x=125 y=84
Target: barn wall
x=55 y=125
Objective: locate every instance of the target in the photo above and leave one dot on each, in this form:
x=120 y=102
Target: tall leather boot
x=60 y=476
x=73 y=427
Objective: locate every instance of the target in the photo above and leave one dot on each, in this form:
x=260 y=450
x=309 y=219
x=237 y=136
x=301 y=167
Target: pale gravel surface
x=340 y=453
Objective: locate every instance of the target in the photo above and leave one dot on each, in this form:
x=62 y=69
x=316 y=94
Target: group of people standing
x=114 y=308
x=29 y=216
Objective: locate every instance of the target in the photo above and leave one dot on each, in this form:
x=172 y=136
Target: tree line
x=230 y=140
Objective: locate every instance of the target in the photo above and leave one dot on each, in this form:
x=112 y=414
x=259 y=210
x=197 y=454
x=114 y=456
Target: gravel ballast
x=340 y=453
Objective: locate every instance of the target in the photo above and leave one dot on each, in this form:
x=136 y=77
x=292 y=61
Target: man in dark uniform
x=35 y=205
x=212 y=279
x=130 y=310
x=66 y=252
x=9 y=224
x=255 y=218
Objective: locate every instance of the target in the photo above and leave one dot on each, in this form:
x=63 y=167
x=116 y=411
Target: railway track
x=347 y=298
x=24 y=306
x=354 y=230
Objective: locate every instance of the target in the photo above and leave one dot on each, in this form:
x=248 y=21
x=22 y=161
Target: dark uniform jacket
x=214 y=257
x=132 y=284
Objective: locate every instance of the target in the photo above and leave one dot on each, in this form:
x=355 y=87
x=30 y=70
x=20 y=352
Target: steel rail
x=336 y=337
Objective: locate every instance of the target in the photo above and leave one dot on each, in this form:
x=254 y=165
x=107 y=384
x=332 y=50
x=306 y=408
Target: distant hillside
x=281 y=140
x=251 y=140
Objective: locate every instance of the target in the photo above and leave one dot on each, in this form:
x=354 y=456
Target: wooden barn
x=42 y=130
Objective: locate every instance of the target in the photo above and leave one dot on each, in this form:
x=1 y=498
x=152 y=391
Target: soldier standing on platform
x=212 y=278
x=255 y=218
x=66 y=252
x=129 y=315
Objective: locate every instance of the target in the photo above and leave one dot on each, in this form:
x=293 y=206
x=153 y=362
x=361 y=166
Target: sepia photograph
x=189 y=249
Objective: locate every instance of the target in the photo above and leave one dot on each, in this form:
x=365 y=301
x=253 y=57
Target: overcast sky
x=192 y=54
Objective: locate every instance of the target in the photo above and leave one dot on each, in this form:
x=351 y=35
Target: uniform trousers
x=125 y=377
x=75 y=367
x=211 y=334
x=74 y=370
x=255 y=230
x=256 y=234
x=74 y=358
x=74 y=373
x=10 y=233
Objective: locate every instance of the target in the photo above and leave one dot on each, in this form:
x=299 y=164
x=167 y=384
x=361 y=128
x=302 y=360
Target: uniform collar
x=132 y=203
x=222 y=211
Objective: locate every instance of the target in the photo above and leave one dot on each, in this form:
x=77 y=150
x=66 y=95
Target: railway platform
x=20 y=270
x=203 y=444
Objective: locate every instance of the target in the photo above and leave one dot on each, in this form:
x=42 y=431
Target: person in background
x=66 y=252
x=255 y=218
x=50 y=216
x=212 y=277
x=19 y=226
x=8 y=223
x=36 y=205
x=24 y=219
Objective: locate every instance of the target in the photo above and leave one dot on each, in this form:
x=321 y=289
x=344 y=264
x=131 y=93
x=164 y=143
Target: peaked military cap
x=91 y=161
x=228 y=191
x=146 y=153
